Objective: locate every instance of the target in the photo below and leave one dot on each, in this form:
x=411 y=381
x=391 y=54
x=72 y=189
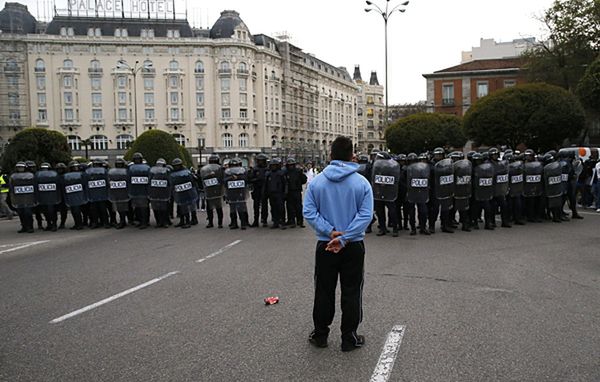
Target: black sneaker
x=320 y=341
x=358 y=342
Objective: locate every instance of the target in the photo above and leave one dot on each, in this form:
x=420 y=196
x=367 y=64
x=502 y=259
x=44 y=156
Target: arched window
x=124 y=141
x=227 y=140
x=95 y=64
x=11 y=64
x=74 y=142
x=147 y=67
x=40 y=66
x=99 y=142
x=174 y=65
x=273 y=140
x=68 y=64
x=180 y=139
x=244 y=139
x=199 y=68
x=225 y=66
x=242 y=67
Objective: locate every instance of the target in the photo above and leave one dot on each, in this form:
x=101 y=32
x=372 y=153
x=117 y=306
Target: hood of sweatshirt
x=338 y=170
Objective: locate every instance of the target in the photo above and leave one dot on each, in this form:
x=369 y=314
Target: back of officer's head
x=341 y=149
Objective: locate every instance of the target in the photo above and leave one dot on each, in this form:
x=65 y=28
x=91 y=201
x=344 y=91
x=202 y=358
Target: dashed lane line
x=4 y=248
x=384 y=367
x=112 y=298
x=225 y=248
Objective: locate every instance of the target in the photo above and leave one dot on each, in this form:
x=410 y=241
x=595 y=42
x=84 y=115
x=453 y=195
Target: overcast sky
x=429 y=36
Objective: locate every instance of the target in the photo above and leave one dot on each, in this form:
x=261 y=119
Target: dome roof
x=15 y=18
x=226 y=25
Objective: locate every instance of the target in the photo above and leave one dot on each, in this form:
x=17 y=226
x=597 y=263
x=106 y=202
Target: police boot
x=465 y=226
x=194 y=220
x=395 y=231
x=424 y=231
x=233 y=218
x=244 y=220
x=186 y=221
x=181 y=222
x=220 y=217
x=254 y=223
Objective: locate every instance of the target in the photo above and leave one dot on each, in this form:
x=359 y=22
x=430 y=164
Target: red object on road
x=271 y=300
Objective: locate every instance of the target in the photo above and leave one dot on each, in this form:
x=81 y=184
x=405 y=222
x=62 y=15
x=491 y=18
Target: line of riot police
x=519 y=186
x=101 y=197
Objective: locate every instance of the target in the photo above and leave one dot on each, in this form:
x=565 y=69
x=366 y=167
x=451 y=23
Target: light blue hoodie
x=339 y=199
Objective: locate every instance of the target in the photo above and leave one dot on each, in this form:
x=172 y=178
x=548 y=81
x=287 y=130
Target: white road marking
x=225 y=248
x=384 y=367
x=15 y=247
x=589 y=213
x=112 y=298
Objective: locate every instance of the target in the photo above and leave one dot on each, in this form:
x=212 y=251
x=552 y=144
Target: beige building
x=370 y=112
x=221 y=90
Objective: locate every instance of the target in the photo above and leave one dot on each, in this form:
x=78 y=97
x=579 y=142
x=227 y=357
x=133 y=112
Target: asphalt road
x=519 y=304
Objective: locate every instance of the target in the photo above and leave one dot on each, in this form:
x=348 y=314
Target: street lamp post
x=386 y=16
x=122 y=64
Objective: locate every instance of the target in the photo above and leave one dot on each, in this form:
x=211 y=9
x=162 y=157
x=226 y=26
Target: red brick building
x=455 y=89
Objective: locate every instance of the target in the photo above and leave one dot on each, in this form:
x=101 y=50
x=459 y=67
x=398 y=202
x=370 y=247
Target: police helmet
x=235 y=162
x=275 y=161
x=412 y=157
x=262 y=156
x=363 y=158
x=423 y=156
x=529 y=153
x=477 y=157
x=470 y=155
x=161 y=162
x=45 y=166
x=137 y=156
x=374 y=151
x=30 y=164
x=509 y=157
x=61 y=165
x=177 y=162
x=383 y=155
x=290 y=161
x=438 y=151
x=456 y=155
x=401 y=158
x=20 y=165
x=548 y=158
x=213 y=159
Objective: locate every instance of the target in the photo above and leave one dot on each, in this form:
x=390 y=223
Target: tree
x=573 y=42
x=154 y=144
x=588 y=89
x=425 y=131
x=541 y=116
x=38 y=145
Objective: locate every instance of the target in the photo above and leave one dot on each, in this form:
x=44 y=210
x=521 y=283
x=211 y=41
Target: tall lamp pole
x=122 y=64
x=386 y=16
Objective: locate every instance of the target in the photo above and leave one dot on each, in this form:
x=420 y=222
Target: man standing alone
x=339 y=206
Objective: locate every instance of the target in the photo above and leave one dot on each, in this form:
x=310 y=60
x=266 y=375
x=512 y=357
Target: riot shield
x=236 y=184
x=417 y=178
x=118 y=190
x=565 y=166
x=159 y=189
x=402 y=190
x=553 y=184
x=363 y=169
x=515 y=177
x=184 y=190
x=484 y=181
x=212 y=180
x=75 y=189
x=139 y=178
x=22 y=190
x=532 y=174
x=97 y=184
x=463 y=170
x=501 y=180
x=386 y=175
x=48 y=187
x=444 y=179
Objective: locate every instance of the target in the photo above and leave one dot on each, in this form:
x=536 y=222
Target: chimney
x=357 y=76
x=373 y=80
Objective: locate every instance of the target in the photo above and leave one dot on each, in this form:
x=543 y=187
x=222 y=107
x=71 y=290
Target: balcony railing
x=39 y=70
x=447 y=101
x=199 y=70
x=243 y=72
x=95 y=70
x=226 y=72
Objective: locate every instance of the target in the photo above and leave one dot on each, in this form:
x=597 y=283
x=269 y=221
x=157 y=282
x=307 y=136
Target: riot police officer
x=553 y=188
x=48 y=194
x=212 y=181
x=463 y=190
x=483 y=183
x=295 y=179
x=533 y=187
x=62 y=208
x=276 y=189
x=185 y=193
x=401 y=213
x=257 y=178
x=159 y=192
x=97 y=186
x=31 y=167
x=118 y=191
x=235 y=180
x=22 y=186
x=443 y=172
x=417 y=178
x=501 y=183
x=75 y=193
x=386 y=176
x=138 y=189
x=515 y=189
x=574 y=170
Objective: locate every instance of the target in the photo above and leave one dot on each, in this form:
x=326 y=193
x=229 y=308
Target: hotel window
x=199 y=68
x=67 y=81
x=124 y=141
x=225 y=84
x=68 y=114
x=482 y=89
x=42 y=115
x=174 y=98
x=99 y=142
x=180 y=139
x=510 y=83
x=199 y=83
x=13 y=81
x=40 y=66
x=147 y=67
x=225 y=113
x=244 y=139
x=173 y=65
x=199 y=99
x=74 y=142
x=174 y=114
x=243 y=84
x=98 y=32
x=68 y=97
x=121 y=81
x=41 y=83
x=149 y=83
x=173 y=33
x=173 y=82
x=199 y=114
x=95 y=83
x=149 y=98
x=227 y=140
x=243 y=113
x=90 y=32
x=149 y=114
x=225 y=99
x=41 y=99
x=122 y=114
x=96 y=99
x=448 y=94
x=243 y=99
x=70 y=31
x=224 y=67
x=122 y=98
x=97 y=114
x=68 y=64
